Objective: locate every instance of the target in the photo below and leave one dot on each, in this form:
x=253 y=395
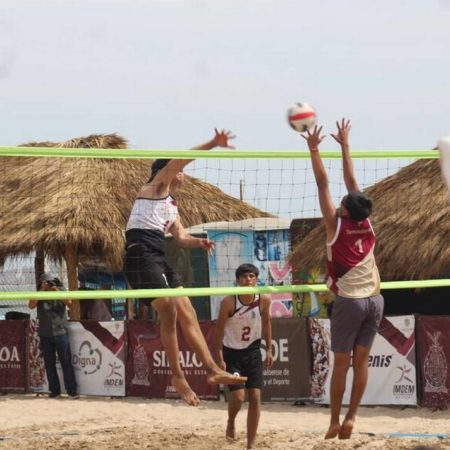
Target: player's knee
x=165 y=307
x=238 y=396
x=185 y=308
x=254 y=396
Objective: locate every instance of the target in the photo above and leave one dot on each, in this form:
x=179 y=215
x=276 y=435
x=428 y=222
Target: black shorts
x=246 y=363
x=144 y=269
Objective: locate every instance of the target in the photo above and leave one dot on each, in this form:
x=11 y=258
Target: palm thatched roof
x=412 y=221
x=48 y=203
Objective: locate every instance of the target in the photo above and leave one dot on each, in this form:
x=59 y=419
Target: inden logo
x=114 y=377
x=87 y=358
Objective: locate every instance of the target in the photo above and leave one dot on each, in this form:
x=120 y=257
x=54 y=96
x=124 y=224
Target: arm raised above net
x=341 y=137
x=326 y=202
x=174 y=166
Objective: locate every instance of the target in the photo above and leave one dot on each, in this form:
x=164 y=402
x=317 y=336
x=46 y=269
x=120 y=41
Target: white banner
x=392 y=364
x=98 y=357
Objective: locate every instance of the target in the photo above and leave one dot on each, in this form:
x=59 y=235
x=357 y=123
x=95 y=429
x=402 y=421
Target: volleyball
x=301 y=116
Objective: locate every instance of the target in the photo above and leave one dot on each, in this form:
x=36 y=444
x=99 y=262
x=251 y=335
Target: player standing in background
x=242 y=321
x=352 y=276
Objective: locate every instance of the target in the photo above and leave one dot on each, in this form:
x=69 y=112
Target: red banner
x=148 y=372
x=433 y=335
x=12 y=355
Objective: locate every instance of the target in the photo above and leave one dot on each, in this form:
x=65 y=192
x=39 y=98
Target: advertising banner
x=266 y=249
x=12 y=355
x=37 y=376
x=288 y=378
x=148 y=371
x=392 y=364
x=433 y=335
x=98 y=357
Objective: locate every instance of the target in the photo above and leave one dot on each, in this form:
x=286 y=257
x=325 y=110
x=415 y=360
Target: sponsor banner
x=12 y=355
x=148 y=371
x=266 y=249
x=433 y=334
x=288 y=378
x=392 y=364
x=37 y=376
x=98 y=357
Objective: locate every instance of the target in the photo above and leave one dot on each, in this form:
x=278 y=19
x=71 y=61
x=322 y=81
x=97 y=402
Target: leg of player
x=360 y=362
x=168 y=317
x=234 y=406
x=254 y=412
x=337 y=388
x=187 y=318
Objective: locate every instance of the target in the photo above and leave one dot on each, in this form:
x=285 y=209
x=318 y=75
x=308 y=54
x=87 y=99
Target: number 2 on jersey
x=245 y=336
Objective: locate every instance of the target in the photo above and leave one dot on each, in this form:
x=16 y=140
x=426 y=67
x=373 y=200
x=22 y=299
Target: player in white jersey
x=242 y=321
x=145 y=267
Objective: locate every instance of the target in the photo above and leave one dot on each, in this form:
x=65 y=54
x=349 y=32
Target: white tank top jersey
x=243 y=328
x=153 y=214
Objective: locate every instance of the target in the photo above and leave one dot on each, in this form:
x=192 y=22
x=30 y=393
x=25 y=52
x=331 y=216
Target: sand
x=30 y=422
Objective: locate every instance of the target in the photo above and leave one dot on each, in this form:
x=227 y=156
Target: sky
x=164 y=73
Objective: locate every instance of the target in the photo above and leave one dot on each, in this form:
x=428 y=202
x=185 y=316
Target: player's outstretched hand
x=341 y=137
x=222 y=138
x=313 y=139
x=207 y=245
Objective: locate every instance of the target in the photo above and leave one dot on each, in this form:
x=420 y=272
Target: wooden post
x=130 y=309
x=71 y=257
x=39 y=265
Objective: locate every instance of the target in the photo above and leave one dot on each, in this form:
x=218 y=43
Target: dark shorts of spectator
x=145 y=269
x=355 y=321
x=245 y=363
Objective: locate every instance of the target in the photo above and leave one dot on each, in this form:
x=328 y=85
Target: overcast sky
x=164 y=73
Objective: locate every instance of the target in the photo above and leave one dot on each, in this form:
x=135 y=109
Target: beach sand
x=30 y=422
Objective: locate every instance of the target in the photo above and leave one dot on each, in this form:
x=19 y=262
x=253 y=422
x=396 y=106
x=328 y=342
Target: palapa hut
x=412 y=221
x=70 y=208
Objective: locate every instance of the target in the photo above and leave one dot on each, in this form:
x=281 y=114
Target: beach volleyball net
x=68 y=206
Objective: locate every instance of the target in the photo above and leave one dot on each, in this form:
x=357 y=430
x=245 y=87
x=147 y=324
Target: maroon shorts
x=355 y=321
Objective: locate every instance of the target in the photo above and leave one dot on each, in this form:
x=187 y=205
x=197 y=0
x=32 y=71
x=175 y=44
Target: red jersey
x=352 y=271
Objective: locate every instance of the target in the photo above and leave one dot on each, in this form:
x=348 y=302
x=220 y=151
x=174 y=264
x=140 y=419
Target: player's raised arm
x=164 y=171
x=341 y=137
x=326 y=203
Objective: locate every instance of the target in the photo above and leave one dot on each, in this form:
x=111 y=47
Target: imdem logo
x=404 y=385
x=88 y=359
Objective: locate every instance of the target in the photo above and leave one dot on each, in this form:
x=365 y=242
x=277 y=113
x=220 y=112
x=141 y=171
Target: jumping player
x=153 y=215
x=242 y=321
x=352 y=276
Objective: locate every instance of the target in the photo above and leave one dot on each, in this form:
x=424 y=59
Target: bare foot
x=230 y=433
x=333 y=431
x=222 y=377
x=185 y=391
x=346 y=429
